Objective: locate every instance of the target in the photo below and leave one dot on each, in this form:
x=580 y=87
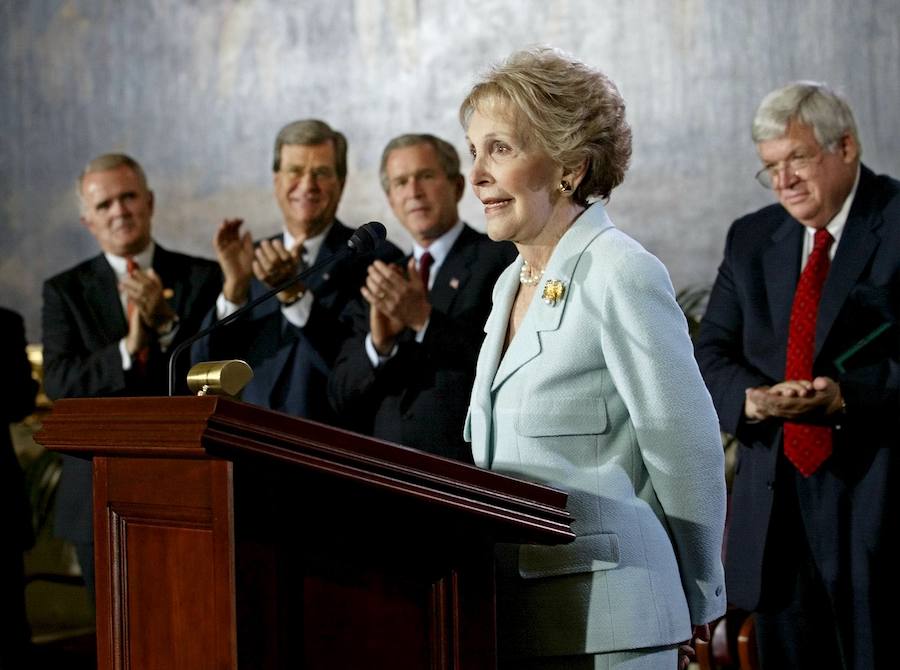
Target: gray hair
x=811 y=103
x=572 y=112
x=447 y=156
x=309 y=132
x=106 y=162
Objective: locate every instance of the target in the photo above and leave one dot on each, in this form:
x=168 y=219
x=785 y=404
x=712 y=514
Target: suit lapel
x=543 y=317
x=101 y=294
x=781 y=270
x=857 y=244
x=335 y=241
x=454 y=272
x=480 y=411
x=170 y=273
x=525 y=344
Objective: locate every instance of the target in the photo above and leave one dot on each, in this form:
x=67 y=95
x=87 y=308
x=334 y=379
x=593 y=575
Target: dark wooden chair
x=732 y=644
x=746 y=644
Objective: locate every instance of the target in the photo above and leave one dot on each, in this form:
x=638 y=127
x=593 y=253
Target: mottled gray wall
x=197 y=89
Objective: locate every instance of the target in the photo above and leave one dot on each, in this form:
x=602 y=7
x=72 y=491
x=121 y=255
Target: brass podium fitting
x=226 y=378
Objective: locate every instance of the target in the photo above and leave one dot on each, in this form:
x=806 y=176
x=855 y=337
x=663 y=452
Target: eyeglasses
x=296 y=173
x=802 y=167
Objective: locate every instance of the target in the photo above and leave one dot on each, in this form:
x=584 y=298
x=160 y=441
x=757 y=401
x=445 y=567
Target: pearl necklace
x=529 y=275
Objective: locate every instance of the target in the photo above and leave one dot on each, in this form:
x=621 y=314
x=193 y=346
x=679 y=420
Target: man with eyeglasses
x=800 y=353
x=291 y=341
x=408 y=379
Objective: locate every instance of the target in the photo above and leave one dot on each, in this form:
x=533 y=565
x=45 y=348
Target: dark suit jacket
x=419 y=397
x=850 y=505
x=291 y=365
x=83 y=322
x=17 y=394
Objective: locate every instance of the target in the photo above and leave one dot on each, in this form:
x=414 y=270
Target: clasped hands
x=793 y=400
x=152 y=313
x=270 y=262
x=398 y=299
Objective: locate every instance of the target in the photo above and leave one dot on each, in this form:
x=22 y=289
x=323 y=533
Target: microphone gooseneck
x=364 y=239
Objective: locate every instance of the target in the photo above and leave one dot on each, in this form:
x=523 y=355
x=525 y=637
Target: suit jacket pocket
x=587 y=553
x=563 y=415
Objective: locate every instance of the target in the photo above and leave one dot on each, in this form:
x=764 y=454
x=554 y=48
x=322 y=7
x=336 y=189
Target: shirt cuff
x=297 y=313
x=224 y=307
x=126 y=357
x=165 y=341
x=420 y=334
x=375 y=358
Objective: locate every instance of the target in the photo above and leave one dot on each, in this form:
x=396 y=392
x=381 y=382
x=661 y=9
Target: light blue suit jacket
x=599 y=395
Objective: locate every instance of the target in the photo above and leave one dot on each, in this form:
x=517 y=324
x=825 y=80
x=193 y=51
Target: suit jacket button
x=718 y=590
x=770 y=486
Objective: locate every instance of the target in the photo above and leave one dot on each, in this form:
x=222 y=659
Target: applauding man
x=291 y=341
x=110 y=322
x=408 y=380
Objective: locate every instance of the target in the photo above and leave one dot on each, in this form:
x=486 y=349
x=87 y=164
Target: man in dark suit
x=17 y=394
x=291 y=342
x=110 y=322
x=408 y=379
x=814 y=498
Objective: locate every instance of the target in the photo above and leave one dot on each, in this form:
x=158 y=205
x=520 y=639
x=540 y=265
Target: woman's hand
x=686 y=651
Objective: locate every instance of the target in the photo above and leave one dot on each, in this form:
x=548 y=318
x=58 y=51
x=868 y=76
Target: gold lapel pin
x=554 y=290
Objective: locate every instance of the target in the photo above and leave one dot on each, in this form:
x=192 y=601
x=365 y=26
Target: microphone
x=364 y=239
x=367 y=237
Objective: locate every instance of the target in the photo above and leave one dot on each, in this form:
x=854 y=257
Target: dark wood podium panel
x=227 y=535
x=163 y=546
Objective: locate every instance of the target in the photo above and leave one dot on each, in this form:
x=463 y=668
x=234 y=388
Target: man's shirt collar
x=440 y=247
x=143 y=259
x=311 y=245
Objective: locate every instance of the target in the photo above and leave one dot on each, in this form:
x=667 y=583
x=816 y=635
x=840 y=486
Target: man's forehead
x=797 y=136
x=412 y=159
x=106 y=182
x=311 y=153
x=412 y=171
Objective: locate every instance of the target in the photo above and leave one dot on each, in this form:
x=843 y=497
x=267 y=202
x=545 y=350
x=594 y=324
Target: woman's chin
x=498 y=229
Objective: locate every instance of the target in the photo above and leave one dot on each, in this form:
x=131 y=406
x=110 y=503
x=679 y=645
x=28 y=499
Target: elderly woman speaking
x=586 y=381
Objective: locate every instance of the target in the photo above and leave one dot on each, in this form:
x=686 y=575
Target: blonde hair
x=572 y=112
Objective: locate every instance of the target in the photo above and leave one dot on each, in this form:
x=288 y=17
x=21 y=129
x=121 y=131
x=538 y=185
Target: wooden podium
x=227 y=535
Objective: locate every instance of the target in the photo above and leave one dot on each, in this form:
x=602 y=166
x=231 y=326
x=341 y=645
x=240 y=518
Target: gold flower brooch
x=553 y=292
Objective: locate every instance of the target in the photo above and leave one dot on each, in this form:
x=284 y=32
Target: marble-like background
x=197 y=89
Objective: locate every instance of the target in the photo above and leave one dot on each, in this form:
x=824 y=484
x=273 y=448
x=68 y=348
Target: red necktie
x=425 y=261
x=805 y=445
x=140 y=358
